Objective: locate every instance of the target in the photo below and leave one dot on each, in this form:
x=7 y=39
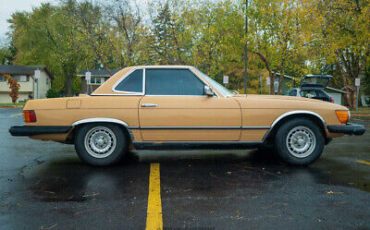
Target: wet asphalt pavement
x=43 y=185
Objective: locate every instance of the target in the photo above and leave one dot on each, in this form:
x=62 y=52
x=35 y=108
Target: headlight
x=343 y=115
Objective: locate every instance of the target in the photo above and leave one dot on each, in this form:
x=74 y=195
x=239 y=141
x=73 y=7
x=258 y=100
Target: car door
x=175 y=108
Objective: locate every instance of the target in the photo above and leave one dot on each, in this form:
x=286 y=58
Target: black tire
x=113 y=155
x=287 y=150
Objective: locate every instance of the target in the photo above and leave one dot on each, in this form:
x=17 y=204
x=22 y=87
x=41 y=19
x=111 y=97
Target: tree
x=49 y=36
x=6 y=56
x=343 y=37
x=216 y=30
x=93 y=28
x=275 y=35
x=14 y=88
x=166 y=36
x=126 y=31
x=294 y=37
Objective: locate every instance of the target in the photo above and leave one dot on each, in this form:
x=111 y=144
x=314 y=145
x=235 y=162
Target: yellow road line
x=15 y=115
x=154 y=219
x=363 y=162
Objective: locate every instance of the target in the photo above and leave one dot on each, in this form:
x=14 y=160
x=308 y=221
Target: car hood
x=273 y=97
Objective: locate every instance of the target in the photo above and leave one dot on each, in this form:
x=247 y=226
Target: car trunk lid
x=315 y=81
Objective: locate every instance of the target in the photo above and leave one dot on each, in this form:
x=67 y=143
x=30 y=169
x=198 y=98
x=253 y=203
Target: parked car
x=180 y=107
x=312 y=86
x=311 y=93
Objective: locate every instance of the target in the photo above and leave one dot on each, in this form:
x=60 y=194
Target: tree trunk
x=354 y=97
x=272 y=83
x=68 y=86
x=107 y=68
x=281 y=78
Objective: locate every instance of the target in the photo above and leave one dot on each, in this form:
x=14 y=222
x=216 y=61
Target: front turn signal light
x=29 y=116
x=342 y=115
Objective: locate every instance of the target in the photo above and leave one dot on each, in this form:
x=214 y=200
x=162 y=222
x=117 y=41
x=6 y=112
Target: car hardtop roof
x=163 y=66
x=318 y=75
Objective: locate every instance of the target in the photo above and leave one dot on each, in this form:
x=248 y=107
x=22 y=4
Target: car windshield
x=215 y=85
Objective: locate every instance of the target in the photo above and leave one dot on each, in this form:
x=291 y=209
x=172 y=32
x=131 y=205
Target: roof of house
x=335 y=90
x=25 y=70
x=286 y=76
x=97 y=73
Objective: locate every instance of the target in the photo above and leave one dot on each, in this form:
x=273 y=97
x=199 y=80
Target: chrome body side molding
x=100 y=119
x=294 y=112
x=200 y=127
x=298 y=112
x=105 y=119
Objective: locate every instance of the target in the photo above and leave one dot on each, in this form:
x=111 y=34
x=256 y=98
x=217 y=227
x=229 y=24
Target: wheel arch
x=315 y=117
x=120 y=123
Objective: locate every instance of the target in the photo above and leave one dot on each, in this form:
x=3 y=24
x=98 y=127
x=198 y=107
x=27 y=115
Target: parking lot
x=43 y=185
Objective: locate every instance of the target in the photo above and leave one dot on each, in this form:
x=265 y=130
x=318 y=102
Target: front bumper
x=349 y=128
x=37 y=130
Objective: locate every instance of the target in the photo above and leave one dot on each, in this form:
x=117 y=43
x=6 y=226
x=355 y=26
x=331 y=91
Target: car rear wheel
x=100 y=144
x=299 y=141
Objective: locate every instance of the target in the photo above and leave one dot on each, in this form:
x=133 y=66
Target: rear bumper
x=349 y=128
x=37 y=130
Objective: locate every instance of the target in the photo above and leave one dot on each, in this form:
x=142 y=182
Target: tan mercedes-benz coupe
x=180 y=107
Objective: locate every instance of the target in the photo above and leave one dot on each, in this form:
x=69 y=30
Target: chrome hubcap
x=100 y=142
x=301 y=141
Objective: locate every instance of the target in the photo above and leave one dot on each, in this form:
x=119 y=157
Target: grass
x=361 y=110
x=18 y=104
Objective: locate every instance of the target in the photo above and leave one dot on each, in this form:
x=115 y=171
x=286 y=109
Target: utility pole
x=245 y=47
x=37 y=75
x=357 y=84
x=88 y=80
x=261 y=83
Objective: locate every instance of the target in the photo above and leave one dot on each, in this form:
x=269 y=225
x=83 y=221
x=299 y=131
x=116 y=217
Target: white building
x=336 y=94
x=26 y=79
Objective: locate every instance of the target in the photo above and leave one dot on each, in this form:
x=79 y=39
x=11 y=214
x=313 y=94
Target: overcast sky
x=7 y=7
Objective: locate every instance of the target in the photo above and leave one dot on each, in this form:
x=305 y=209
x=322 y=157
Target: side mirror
x=208 y=91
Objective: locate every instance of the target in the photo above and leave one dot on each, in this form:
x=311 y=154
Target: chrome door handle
x=149 y=105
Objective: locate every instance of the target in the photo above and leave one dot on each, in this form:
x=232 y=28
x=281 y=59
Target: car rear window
x=132 y=83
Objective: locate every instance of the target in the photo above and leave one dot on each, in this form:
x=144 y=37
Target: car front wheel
x=100 y=144
x=299 y=141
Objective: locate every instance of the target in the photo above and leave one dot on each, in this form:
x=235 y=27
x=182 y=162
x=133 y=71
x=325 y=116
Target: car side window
x=293 y=92
x=172 y=82
x=132 y=83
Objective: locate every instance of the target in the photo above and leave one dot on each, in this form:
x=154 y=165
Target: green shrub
x=52 y=93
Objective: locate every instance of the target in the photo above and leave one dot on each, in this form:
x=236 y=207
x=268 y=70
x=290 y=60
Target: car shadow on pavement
x=71 y=180
x=68 y=179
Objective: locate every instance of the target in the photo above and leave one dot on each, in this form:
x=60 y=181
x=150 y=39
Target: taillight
x=342 y=115
x=29 y=116
x=332 y=100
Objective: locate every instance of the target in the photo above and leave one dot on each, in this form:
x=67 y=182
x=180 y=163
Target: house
x=98 y=77
x=25 y=75
x=336 y=94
